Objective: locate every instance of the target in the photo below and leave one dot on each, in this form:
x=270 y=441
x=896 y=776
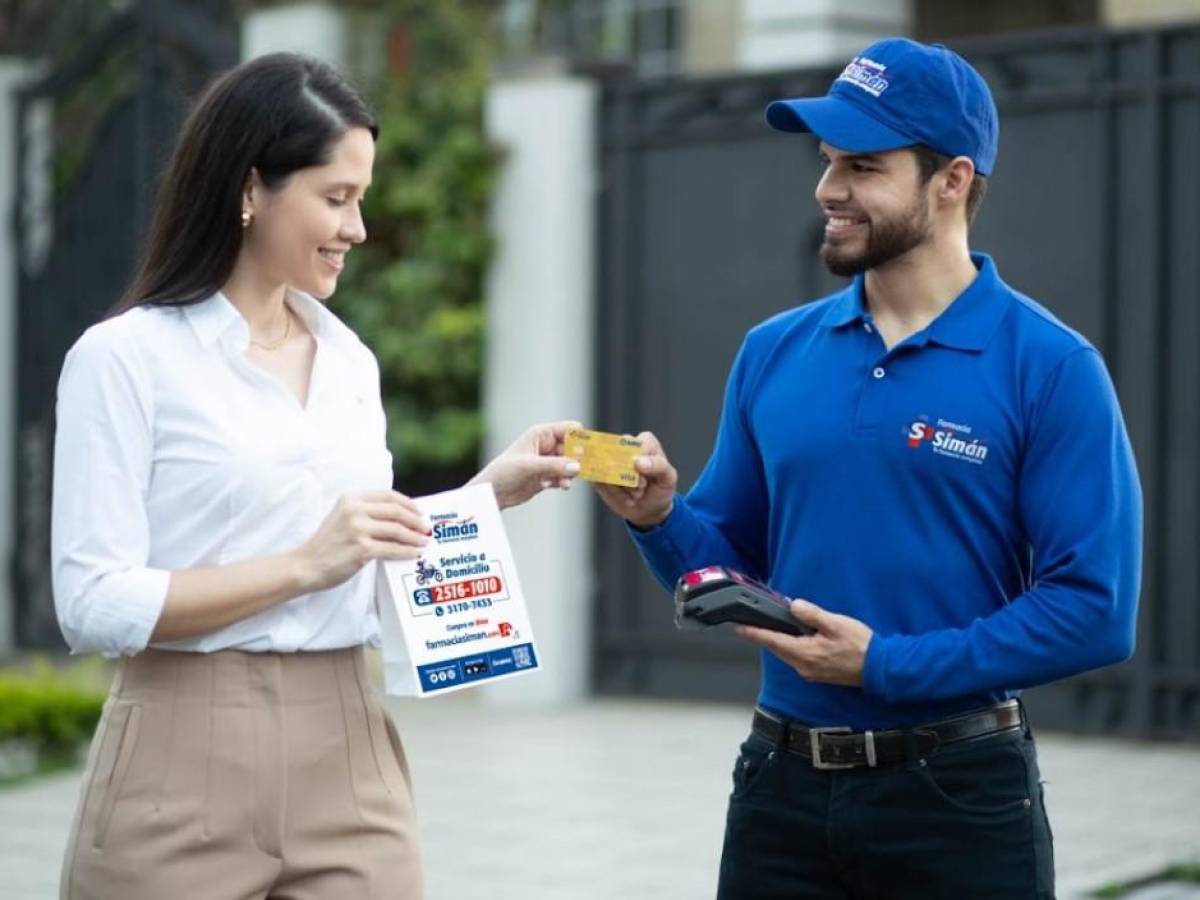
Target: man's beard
x=887 y=239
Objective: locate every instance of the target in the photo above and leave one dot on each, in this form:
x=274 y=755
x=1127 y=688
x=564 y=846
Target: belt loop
x=1025 y=727
x=781 y=741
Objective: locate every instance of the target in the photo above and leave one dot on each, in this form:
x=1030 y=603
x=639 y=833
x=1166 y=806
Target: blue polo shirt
x=970 y=495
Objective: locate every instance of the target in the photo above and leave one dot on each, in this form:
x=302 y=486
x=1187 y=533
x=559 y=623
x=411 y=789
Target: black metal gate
x=92 y=136
x=708 y=225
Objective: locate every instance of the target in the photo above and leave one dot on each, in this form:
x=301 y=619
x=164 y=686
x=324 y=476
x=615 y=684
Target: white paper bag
x=399 y=674
x=456 y=617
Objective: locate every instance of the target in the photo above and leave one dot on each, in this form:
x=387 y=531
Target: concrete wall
x=948 y=20
x=1123 y=13
x=710 y=37
x=781 y=34
x=314 y=27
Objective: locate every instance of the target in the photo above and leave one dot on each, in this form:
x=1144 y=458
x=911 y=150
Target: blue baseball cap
x=897 y=93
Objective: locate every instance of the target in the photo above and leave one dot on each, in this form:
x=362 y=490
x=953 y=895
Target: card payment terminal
x=717 y=594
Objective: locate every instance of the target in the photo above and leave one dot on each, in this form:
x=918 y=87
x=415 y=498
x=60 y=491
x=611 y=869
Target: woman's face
x=300 y=233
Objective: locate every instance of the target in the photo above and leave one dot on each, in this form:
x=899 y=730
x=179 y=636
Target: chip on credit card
x=603 y=457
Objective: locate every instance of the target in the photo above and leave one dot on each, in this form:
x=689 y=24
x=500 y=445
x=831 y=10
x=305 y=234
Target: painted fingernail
x=572 y=467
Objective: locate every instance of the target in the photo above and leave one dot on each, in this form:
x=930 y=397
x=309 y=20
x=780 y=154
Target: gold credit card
x=603 y=457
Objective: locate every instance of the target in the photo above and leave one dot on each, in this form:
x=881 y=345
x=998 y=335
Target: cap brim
x=836 y=122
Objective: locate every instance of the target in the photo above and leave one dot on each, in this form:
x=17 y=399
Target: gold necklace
x=287 y=329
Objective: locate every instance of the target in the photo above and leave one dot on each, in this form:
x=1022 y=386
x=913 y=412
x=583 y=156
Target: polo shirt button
x=867 y=327
x=878 y=372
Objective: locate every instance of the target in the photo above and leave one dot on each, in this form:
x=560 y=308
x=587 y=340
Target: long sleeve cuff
x=664 y=547
x=118 y=614
x=875 y=666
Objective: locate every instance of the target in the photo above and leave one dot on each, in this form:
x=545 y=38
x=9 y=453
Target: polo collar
x=968 y=323
x=848 y=306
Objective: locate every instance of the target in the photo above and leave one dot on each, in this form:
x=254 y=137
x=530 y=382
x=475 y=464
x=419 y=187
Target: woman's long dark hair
x=275 y=114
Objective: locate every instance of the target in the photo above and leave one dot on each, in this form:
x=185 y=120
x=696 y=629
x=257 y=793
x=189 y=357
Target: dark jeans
x=965 y=823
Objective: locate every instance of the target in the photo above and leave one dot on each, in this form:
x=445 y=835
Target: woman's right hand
x=363 y=527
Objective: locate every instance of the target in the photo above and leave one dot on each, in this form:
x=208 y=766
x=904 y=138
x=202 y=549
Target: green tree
x=414 y=290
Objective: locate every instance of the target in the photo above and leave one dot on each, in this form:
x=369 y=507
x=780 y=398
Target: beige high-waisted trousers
x=232 y=775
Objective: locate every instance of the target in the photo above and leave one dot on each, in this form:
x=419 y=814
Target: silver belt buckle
x=814 y=739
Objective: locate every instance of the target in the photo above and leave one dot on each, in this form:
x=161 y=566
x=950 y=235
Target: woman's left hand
x=531 y=464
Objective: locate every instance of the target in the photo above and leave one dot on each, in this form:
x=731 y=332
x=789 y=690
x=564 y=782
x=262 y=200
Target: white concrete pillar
x=13 y=72
x=539 y=356
x=785 y=34
x=313 y=27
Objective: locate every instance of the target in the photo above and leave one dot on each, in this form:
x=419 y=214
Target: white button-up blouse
x=173 y=451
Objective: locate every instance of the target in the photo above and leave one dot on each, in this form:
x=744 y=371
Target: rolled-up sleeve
x=106 y=596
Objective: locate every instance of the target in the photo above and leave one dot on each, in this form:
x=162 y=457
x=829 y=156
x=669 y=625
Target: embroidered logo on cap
x=867 y=74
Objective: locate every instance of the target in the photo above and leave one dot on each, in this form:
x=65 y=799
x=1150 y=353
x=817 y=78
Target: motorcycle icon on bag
x=427 y=573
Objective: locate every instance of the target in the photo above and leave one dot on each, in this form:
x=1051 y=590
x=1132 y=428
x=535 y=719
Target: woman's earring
x=246 y=214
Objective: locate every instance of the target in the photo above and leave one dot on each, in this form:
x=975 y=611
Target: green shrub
x=55 y=712
x=414 y=290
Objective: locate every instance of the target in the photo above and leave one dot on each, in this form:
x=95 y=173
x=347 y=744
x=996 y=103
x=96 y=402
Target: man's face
x=876 y=208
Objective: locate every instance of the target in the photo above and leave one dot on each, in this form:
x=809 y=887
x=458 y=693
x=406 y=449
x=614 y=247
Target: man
x=939 y=467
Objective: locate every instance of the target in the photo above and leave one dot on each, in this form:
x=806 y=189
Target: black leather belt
x=843 y=748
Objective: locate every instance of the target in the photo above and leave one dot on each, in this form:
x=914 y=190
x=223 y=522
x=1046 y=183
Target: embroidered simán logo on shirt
x=947 y=438
x=867 y=74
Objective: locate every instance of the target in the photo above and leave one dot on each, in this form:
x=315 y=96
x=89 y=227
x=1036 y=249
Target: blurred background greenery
x=414 y=290
x=48 y=713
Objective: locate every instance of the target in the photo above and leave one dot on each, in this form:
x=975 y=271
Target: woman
x=221 y=495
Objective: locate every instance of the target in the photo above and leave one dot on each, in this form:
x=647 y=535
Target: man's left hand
x=834 y=654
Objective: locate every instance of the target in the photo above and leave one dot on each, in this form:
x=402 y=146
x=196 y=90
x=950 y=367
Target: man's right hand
x=648 y=504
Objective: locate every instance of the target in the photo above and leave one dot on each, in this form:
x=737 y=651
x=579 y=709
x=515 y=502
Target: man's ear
x=955 y=180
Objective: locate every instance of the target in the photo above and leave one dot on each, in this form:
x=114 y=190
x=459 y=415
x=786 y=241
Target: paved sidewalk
x=624 y=800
